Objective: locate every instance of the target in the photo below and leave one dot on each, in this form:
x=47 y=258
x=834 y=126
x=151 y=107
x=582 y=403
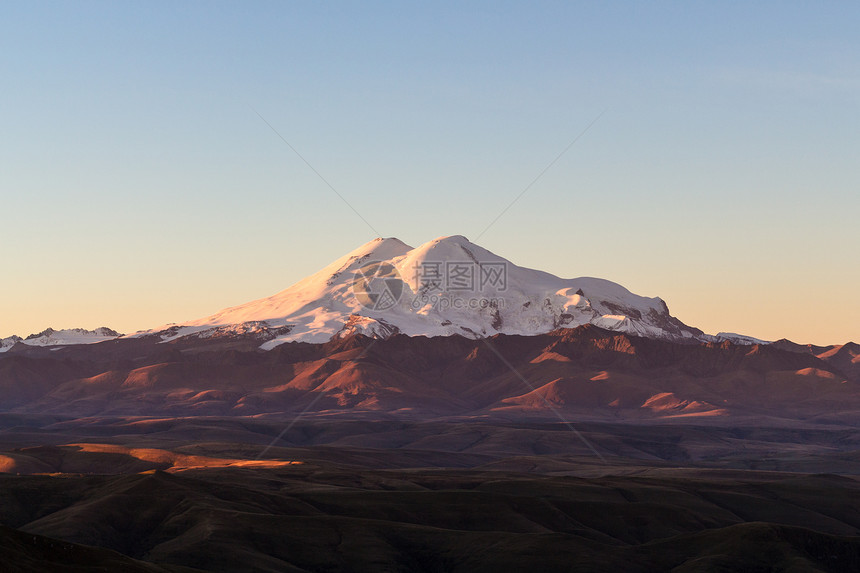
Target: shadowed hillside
x=592 y=373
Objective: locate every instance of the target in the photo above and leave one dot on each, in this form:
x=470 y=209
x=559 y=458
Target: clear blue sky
x=139 y=186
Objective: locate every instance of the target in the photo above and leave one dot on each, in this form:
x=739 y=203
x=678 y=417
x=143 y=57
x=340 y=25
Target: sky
x=140 y=183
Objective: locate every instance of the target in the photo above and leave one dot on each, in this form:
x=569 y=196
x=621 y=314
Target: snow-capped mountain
x=446 y=286
x=740 y=339
x=7 y=343
x=65 y=337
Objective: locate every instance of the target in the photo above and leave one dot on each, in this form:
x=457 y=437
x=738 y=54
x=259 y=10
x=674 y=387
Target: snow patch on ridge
x=734 y=338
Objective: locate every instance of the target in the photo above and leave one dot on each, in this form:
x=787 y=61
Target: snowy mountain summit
x=444 y=287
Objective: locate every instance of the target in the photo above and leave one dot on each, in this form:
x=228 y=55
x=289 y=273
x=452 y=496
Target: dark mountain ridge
x=587 y=369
